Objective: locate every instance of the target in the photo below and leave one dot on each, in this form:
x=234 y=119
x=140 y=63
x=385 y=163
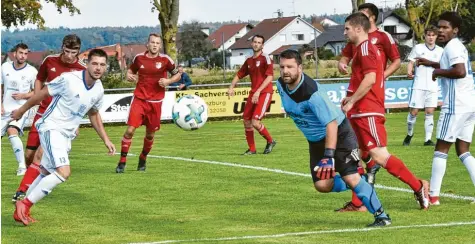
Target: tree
x=193 y=42
x=16 y=12
x=168 y=16
x=422 y=13
x=468 y=30
x=356 y=3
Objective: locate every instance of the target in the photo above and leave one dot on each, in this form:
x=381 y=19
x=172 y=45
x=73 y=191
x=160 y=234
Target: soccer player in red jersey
x=260 y=68
x=364 y=106
x=149 y=70
x=52 y=67
x=389 y=52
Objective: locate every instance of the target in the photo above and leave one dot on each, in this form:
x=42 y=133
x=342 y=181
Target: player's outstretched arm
x=456 y=72
x=35 y=99
x=410 y=69
x=96 y=122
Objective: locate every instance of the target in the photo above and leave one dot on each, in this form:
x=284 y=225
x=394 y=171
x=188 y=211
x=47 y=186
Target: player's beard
x=94 y=76
x=20 y=62
x=290 y=79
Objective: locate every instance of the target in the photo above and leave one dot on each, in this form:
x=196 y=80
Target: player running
x=75 y=95
x=261 y=70
x=149 y=70
x=332 y=143
x=457 y=116
x=389 y=52
x=424 y=93
x=52 y=67
x=364 y=106
x=17 y=81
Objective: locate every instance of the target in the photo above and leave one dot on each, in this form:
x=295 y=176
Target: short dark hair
x=452 y=17
x=291 y=54
x=155 y=35
x=98 y=53
x=259 y=36
x=72 y=41
x=431 y=28
x=359 y=19
x=20 y=45
x=372 y=8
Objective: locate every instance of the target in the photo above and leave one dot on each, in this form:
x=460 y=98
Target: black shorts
x=346 y=154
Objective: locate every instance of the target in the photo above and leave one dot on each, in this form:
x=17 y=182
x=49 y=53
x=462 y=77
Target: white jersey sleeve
x=413 y=55
x=456 y=54
x=57 y=86
x=98 y=104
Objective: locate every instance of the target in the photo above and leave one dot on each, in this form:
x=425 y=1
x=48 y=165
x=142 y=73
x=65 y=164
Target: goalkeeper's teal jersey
x=309 y=107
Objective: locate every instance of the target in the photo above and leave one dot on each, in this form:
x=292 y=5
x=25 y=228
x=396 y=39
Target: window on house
x=298 y=37
x=391 y=29
x=240 y=54
x=237 y=38
x=283 y=37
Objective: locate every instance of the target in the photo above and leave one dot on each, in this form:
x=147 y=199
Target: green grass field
x=196 y=189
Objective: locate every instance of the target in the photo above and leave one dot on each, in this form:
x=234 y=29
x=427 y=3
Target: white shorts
x=455 y=126
x=56 y=147
x=423 y=99
x=7 y=121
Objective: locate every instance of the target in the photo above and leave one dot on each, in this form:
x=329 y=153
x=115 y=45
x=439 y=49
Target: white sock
x=469 y=162
x=46 y=185
x=439 y=164
x=411 y=121
x=429 y=126
x=17 y=146
x=35 y=183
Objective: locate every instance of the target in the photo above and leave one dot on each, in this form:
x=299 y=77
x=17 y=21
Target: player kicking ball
x=457 y=116
x=260 y=68
x=75 y=95
x=424 y=93
x=333 y=146
x=17 y=81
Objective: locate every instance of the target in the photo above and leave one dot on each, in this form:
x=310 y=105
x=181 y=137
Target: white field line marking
x=279 y=171
x=320 y=232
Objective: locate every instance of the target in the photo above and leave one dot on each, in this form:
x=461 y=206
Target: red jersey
x=150 y=71
x=53 y=67
x=383 y=41
x=258 y=69
x=367 y=59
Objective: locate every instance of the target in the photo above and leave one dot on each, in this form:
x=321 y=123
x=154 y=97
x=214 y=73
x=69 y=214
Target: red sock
x=125 y=149
x=30 y=175
x=265 y=133
x=250 y=139
x=147 y=147
x=27 y=202
x=398 y=169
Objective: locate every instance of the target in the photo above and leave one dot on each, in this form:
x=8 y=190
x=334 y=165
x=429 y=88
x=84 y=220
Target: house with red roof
x=277 y=32
x=227 y=35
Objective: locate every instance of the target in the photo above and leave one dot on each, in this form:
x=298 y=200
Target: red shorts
x=145 y=113
x=258 y=110
x=370 y=132
x=33 y=141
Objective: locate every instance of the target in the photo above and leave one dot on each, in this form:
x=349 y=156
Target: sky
x=122 y=13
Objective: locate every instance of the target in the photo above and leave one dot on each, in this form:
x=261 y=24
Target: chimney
x=280 y=14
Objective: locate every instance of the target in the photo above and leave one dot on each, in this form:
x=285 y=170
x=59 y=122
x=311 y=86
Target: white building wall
x=232 y=40
x=284 y=37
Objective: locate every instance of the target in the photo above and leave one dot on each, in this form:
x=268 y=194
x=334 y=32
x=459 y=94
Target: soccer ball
x=190 y=112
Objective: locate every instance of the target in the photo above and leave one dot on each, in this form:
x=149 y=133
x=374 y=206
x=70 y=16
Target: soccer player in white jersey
x=424 y=93
x=17 y=81
x=457 y=116
x=75 y=94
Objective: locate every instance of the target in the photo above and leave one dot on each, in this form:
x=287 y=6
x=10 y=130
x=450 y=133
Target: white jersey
x=72 y=99
x=423 y=74
x=16 y=81
x=458 y=94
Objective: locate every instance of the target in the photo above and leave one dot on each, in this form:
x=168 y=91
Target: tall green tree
x=422 y=13
x=20 y=12
x=355 y=4
x=168 y=11
x=193 y=42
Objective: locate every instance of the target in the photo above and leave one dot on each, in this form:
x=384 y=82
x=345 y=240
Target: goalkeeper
x=332 y=143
